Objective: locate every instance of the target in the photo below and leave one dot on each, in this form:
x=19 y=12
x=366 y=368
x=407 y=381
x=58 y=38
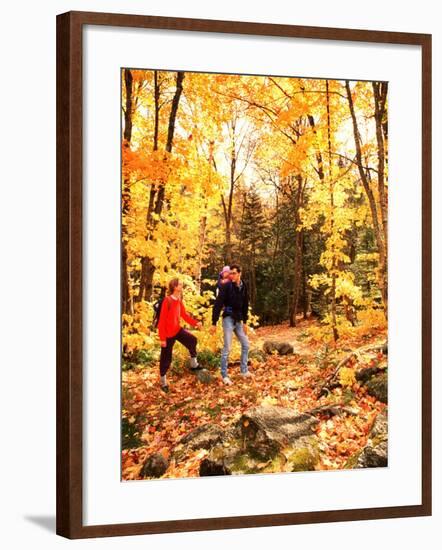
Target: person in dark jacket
x=233 y=297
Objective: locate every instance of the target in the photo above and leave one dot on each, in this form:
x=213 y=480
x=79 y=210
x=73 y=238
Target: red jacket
x=169 y=322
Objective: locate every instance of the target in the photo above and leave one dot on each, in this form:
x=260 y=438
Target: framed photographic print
x=243 y=274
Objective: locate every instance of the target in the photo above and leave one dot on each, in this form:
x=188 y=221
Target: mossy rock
x=276 y=465
x=231 y=458
x=375 y=453
x=380 y=427
x=235 y=461
x=266 y=430
x=244 y=464
x=265 y=439
x=374 y=456
x=304 y=455
x=222 y=460
x=378 y=387
x=364 y=375
x=203 y=437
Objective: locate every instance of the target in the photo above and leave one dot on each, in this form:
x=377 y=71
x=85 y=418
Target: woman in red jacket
x=170 y=330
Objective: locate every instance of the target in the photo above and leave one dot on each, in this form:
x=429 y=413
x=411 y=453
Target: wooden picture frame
x=70 y=157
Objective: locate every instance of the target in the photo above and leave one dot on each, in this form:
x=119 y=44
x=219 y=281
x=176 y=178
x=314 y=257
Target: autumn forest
x=287 y=178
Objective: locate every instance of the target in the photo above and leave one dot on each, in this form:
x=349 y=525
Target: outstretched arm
x=187 y=317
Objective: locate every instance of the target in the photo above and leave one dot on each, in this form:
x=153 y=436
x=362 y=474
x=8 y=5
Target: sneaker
x=194 y=363
x=247 y=374
x=227 y=381
x=165 y=388
x=198 y=367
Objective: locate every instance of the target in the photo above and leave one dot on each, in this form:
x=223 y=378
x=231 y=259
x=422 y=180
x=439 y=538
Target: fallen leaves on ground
x=291 y=381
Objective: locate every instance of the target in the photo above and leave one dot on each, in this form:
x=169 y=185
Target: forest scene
x=281 y=184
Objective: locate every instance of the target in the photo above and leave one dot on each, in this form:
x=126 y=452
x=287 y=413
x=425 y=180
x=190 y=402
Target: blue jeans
x=229 y=327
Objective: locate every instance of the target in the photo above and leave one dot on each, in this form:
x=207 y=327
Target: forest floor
x=154 y=422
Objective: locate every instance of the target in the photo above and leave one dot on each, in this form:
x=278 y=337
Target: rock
x=378 y=387
x=155 y=465
x=213 y=467
x=374 y=457
x=282 y=348
x=266 y=439
x=204 y=376
x=304 y=454
x=364 y=375
x=267 y=429
x=228 y=461
x=375 y=453
x=203 y=437
x=222 y=461
x=380 y=427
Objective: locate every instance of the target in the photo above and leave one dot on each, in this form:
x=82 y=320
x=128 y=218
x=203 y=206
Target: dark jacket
x=235 y=301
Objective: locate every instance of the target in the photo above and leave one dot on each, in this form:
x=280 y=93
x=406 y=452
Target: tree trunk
x=127 y=136
x=332 y=205
x=227 y=208
x=377 y=226
x=305 y=293
x=298 y=253
x=157 y=194
x=380 y=97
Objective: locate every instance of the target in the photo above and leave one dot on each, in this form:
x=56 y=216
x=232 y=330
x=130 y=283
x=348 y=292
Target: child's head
x=225 y=273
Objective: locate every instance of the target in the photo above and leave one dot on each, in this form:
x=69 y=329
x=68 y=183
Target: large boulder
x=282 y=348
x=267 y=429
x=155 y=465
x=303 y=454
x=236 y=460
x=266 y=439
x=203 y=437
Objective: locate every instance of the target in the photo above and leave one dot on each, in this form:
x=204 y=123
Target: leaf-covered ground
x=155 y=422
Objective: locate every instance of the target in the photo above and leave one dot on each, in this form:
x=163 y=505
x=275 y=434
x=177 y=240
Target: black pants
x=184 y=337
